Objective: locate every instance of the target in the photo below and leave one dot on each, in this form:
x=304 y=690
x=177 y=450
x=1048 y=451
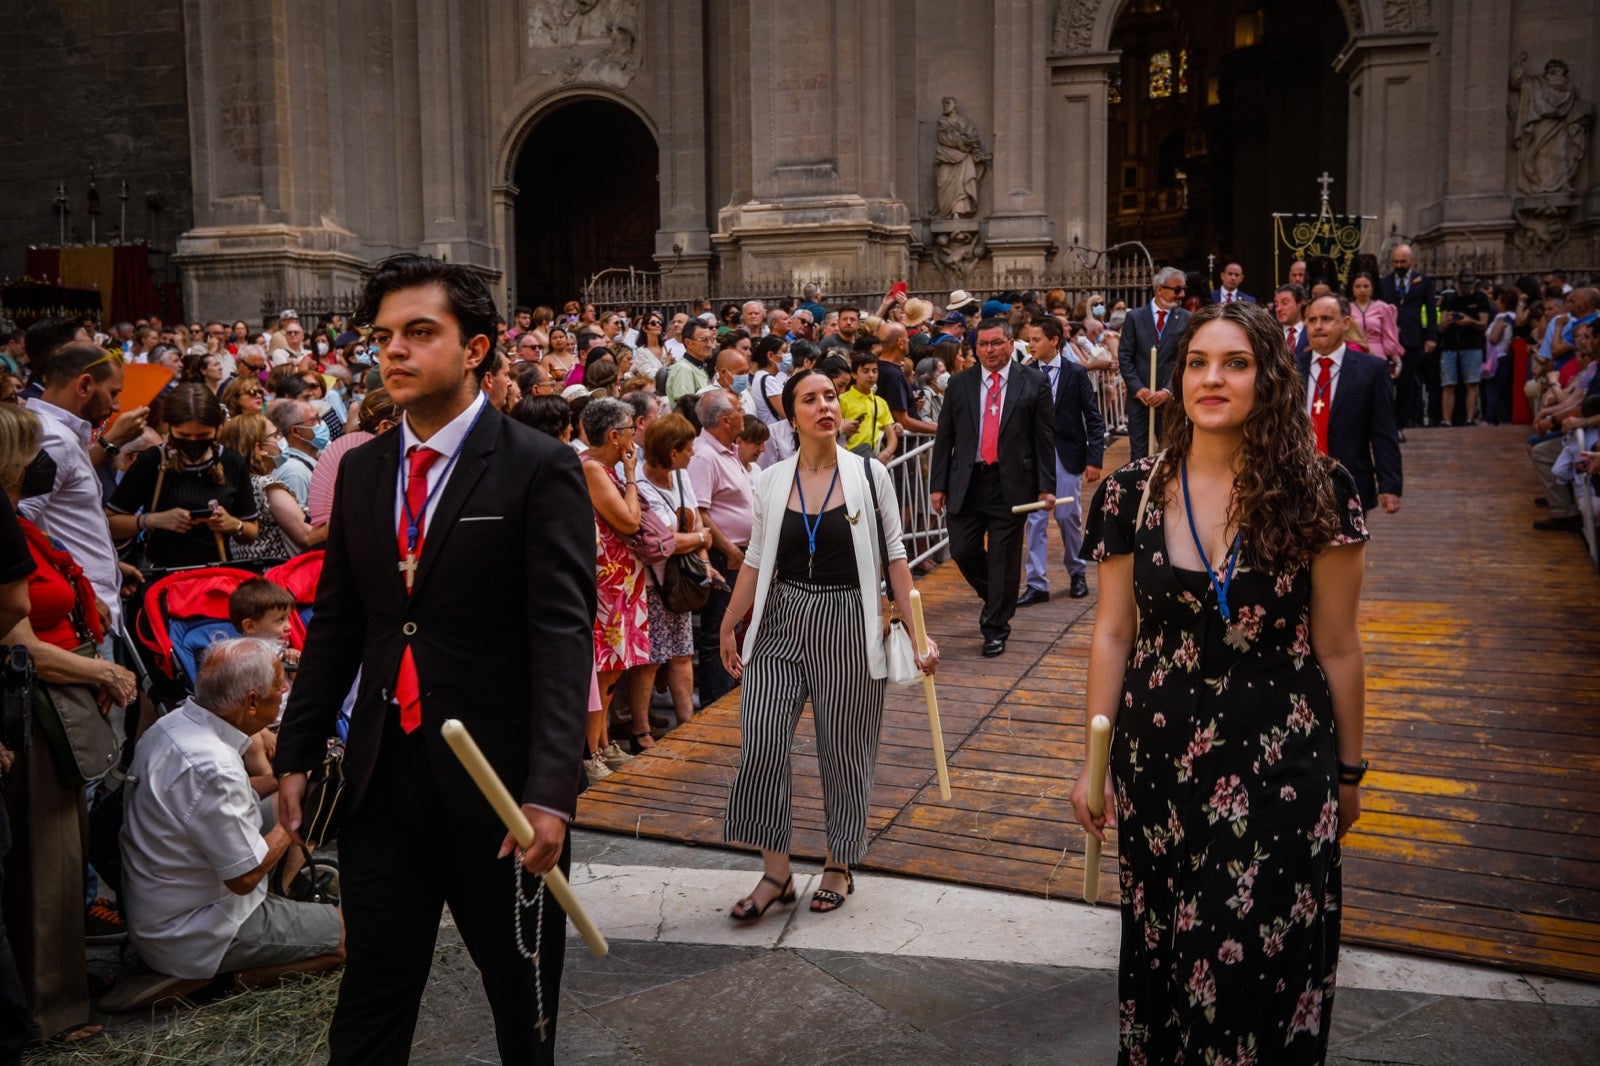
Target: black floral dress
x=1227 y=804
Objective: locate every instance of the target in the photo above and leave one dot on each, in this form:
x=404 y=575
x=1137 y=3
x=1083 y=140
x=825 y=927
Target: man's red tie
x=1321 y=404
x=1161 y=321
x=1288 y=336
x=407 y=689
x=989 y=442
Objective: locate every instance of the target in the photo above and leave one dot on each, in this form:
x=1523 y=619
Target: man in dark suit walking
x=1158 y=325
x=993 y=451
x=1347 y=397
x=1080 y=438
x=459 y=577
x=1232 y=278
x=1417 y=319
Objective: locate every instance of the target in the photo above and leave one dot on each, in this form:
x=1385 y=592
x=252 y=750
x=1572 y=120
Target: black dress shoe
x=1080 y=586
x=991 y=648
x=1540 y=501
x=1569 y=524
x=1033 y=596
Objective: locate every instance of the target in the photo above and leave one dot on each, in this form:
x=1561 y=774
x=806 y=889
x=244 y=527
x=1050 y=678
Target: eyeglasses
x=1173 y=288
x=257 y=393
x=994 y=344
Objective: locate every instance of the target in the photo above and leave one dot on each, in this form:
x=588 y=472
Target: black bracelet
x=1351 y=775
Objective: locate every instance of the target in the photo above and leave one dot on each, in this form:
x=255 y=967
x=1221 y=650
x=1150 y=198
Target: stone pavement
x=912 y=971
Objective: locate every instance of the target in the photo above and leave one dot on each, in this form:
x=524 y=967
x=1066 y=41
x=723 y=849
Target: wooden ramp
x=1481 y=833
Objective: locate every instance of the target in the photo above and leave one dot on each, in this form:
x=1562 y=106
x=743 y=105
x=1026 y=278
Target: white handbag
x=902 y=656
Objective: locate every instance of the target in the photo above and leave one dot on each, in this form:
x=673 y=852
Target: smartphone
x=202 y=514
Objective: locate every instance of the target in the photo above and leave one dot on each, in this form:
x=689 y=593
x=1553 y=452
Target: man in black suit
x=1288 y=305
x=1417 y=319
x=1080 y=438
x=993 y=451
x=459 y=576
x=1158 y=325
x=1347 y=397
x=1232 y=278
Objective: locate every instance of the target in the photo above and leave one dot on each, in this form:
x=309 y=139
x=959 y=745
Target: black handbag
x=683 y=586
x=320 y=809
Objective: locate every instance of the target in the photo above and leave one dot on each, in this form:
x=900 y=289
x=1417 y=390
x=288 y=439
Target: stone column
x=1018 y=230
x=820 y=199
x=1390 y=132
x=266 y=217
x=683 y=243
x=1079 y=116
x=450 y=59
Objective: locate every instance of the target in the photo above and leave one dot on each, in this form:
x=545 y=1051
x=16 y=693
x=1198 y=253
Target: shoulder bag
x=897 y=642
x=81 y=740
x=652 y=542
x=683 y=585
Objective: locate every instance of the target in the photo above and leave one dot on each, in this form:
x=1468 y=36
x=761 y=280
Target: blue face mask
x=320 y=437
x=787 y=364
x=1098 y=310
x=740 y=382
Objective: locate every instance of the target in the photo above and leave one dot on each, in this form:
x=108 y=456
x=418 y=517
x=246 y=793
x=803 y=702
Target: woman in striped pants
x=810 y=579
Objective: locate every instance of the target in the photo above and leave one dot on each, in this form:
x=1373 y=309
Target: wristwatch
x=110 y=449
x=1352 y=775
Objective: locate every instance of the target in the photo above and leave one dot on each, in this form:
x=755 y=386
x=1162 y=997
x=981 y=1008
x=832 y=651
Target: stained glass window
x=1183 y=70
x=1160 y=74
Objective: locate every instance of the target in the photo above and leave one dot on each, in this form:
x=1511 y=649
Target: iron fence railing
x=925 y=536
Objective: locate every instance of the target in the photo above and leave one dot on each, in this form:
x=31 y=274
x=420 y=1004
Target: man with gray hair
x=811 y=301
x=753 y=317
x=195 y=862
x=727 y=510
x=1153 y=326
x=299 y=424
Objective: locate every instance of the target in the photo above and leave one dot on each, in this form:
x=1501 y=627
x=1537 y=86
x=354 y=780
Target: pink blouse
x=1379 y=324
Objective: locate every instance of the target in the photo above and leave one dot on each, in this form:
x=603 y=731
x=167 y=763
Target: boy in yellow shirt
x=876 y=431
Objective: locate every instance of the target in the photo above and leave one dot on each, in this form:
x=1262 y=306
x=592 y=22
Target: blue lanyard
x=811 y=529
x=413 y=521
x=1221 y=587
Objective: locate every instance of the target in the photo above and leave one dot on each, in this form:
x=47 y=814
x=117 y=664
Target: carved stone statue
x=955 y=254
x=958 y=163
x=1550 y=127
x=585 y=40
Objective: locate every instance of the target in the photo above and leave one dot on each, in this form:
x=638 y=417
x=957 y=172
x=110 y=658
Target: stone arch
x=535 y=107
x=1085 y=26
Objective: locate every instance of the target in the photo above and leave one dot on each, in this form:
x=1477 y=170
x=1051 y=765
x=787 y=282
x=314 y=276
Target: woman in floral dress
x=1226 y=654
x=621 y=623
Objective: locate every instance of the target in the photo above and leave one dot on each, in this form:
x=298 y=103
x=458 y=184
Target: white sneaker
x=613 y=756
x=596 y=768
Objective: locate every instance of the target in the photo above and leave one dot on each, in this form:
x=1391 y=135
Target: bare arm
x=619 y=509
x=277 y=843
x=59 y=666
x=1116 y=625
x=1336 y=642
x=744 y=597
x=291 y=519
x=14 y=604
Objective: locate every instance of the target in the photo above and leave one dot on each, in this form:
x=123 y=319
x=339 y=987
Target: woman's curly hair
x=1283 y=499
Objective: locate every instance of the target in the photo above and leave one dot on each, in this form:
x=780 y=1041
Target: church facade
x=954 y=142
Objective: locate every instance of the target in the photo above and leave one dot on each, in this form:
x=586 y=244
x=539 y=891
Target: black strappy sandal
x=639 y=749
x=746 y=911
x=824 y=900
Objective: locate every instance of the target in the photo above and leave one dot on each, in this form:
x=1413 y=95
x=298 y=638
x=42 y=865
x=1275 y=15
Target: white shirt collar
x=80 y=427
x=1005 y=373
x=234 y=738
x=1054 y=364
x=450 y=436
x=1337 y=355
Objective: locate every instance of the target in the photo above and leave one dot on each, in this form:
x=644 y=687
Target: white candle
x=510 y=812
x=1039 y=505
x=1152 y=411
x=1099 y=756
x=920 y=631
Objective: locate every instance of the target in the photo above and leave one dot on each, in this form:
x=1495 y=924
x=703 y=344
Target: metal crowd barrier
x=1113 y=394
x=926 y=536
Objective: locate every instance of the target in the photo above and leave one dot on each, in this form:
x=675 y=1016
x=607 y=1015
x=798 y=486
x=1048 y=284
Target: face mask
x=787 y=364
x=942 y=382
x=740 y=383
x=192 y=450
x=1098 y=309
x=39 y=476
x=319 y=406
x=322 y=347
x=320 y=438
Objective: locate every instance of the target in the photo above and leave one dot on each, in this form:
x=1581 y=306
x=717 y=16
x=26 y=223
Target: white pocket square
x=482 y=518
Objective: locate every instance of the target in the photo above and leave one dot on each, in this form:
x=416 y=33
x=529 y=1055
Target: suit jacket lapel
x=1012 y=388
x=464 y=478
x=979 y=386
x=385 y=532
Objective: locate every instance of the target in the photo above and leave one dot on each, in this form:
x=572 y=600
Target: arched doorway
x=587 y=199
x=1220 y=114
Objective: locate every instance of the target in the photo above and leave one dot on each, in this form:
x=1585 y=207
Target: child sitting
x=260 y=608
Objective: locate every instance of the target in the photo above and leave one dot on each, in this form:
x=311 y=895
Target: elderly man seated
x=195 y=860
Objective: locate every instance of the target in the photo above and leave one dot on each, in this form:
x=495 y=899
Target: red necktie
x=1288 y=336
x=989 y=442
x=1227 y=297
x=407 y=688
x=1161 y=322
x=1321 y=404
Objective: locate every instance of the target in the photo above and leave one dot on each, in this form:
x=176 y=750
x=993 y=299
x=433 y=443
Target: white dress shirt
x=446 y=442
x=73 y=512
x=1337 y=355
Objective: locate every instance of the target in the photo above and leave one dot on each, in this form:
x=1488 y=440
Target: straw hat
x=918 y=311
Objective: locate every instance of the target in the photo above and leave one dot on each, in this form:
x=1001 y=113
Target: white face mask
x=942 y=382
x=322 y=347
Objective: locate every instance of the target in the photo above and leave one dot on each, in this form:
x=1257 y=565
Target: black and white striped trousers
x=810 y=647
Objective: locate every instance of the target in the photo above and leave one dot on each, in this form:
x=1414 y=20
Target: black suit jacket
x=1242 y=297
x=1080 y=434
x=1027 y=430
x=503 y=609
x=1416 y=315
x=1138 y=337
x=1362 y=433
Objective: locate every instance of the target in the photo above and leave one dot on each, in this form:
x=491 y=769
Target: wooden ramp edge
x=1480 y=835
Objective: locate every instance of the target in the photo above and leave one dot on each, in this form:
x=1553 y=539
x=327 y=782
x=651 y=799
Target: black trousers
x=1139 y=428
x=402 y=858
x=13 y=1001
x=986 y=543
x=712 y=681
x=1408 y=389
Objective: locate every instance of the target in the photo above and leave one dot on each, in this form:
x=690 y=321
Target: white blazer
x=772 y=489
